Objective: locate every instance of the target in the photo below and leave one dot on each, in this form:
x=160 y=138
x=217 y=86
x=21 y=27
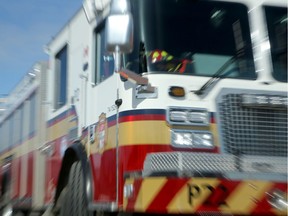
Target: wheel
x=74 y=199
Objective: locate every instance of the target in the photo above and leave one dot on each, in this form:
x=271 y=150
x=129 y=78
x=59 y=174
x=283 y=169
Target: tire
x=75 y=201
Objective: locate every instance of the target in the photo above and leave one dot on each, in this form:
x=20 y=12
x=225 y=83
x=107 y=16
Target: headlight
x=192 y=139
x=178 y=116
x=198 y=117
x=187 y=116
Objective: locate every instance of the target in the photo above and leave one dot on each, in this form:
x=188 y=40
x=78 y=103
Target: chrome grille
x=203 y=164
x=252 y=130
x=264 y=164
x=188 y=163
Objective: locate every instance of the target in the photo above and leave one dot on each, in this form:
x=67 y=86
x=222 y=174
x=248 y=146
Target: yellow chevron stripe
x=244 y=198
x=148 y=191
x=180 y=204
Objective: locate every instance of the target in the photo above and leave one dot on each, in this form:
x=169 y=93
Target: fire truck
x=153 y=107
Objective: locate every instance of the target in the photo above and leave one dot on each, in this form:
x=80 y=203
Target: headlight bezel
x=188 y=116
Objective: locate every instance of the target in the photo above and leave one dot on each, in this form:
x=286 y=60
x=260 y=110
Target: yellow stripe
x=144 y=132
x=29 y=146
x=153 y=132
x=55 y=131
x=148 y=191
x=59 y=129
x=110 y=143
x=245 y=197
x=23 y=149
x=214 y=131
x=180 y=203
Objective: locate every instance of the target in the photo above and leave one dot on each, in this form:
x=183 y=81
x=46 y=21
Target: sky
x=25 y=28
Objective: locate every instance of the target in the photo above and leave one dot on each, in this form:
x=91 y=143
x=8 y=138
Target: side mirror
x=93 y=8
x=119 y=30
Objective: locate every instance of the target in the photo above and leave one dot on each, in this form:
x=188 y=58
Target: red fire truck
x=153 y=107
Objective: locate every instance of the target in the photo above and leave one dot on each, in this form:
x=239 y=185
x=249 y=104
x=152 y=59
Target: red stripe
x=16 y=172
x=212 y=120
x=142 y=117
x=166 y=194
x=111 y=123
x=30 y=174
x=57 y=120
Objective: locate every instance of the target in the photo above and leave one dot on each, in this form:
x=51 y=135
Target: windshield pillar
x=261 y=45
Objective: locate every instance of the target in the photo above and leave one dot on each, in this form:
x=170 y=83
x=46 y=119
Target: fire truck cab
x=166 y=107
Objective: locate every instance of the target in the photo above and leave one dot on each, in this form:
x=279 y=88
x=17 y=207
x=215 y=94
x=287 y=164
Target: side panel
x=65 y=122
x=104 y=176
x=103 y=148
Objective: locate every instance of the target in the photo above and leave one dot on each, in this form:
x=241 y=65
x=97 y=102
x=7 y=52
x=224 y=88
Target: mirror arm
x=133 y=77
x=143 y=83
x=117 y=56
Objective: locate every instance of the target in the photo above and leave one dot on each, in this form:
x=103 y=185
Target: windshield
x=277 y=29
x=191 y=37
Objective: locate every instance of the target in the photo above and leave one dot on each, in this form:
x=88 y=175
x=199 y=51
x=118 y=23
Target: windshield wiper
x=216 y=76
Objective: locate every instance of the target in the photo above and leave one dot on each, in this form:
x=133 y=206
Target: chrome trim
x=187 y=109
x=185 y=163
x=146 y=91
x=103 y=206
x=278 y=200
x=251 y=130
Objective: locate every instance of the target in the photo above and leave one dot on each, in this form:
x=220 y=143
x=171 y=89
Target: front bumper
x=210 y=184
x=204 y=196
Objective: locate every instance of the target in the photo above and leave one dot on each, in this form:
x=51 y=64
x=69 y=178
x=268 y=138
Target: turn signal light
x=176 y=91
